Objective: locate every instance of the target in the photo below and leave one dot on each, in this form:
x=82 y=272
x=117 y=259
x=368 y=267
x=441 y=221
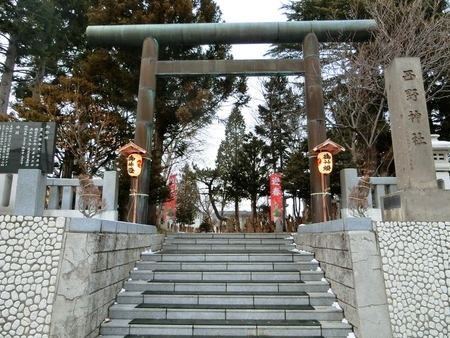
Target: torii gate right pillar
x=320 y=196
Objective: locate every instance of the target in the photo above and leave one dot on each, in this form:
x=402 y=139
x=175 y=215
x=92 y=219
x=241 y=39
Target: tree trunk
x=254 y=210
x=7 y=76
x=369 y=167
x=39 y=78
x=236 y=215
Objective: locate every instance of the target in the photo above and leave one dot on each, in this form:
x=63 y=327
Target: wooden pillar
x=144 y=127
x=320 y=197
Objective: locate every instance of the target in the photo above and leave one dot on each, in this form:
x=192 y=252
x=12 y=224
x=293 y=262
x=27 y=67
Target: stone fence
x=59 y=276
x=391 y=279
x=31 y=193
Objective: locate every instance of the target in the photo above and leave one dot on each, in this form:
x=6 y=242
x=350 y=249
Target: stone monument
x=418 y=198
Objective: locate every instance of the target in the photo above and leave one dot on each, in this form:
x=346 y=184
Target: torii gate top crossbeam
x=194 y=34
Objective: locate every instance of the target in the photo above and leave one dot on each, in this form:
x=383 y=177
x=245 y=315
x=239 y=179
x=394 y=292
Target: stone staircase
x=226 y=285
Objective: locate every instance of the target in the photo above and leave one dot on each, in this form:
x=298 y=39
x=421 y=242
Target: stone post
x=418 y=198
x=30 y=193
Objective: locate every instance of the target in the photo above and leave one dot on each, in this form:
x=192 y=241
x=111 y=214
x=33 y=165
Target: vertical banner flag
x=170 y=204
x=276 y=197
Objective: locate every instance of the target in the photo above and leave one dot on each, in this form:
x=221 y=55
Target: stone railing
x=379 y=187
x=32 y=193
x=391 y=279
x=59 y=276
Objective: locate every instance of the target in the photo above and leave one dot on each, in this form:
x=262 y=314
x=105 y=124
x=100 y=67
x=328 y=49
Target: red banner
x=276 y=197
x=169 y=212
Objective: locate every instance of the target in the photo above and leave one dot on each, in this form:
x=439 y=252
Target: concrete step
x=227 y=240
x=238 y=328
x=234 y=235
x=229 y=276
x=193 y=286
x=228 y=247
x=224 y=312
x=226 y=256
x=227 y=266
x=234 y=299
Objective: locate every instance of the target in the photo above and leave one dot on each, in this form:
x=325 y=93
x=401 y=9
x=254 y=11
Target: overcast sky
x=241 y=11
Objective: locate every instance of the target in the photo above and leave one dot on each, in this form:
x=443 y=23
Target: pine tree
x=229 y=162
x=255 y=170
x=279 y=120
x=188 y=197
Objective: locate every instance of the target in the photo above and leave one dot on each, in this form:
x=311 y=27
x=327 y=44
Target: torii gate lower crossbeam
x=233 y=33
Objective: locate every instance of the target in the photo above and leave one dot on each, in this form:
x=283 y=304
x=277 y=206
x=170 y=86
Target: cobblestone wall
x=30 y=253
x=415 y=261
x=58 y=276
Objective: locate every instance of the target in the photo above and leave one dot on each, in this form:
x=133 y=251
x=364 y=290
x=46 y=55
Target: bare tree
x=357 y=101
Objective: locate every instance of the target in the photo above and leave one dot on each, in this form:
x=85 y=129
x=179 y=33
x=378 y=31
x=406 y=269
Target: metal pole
x=144 y=123
x=316 y=123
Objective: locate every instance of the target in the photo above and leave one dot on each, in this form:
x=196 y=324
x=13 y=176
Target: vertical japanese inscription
x=27 y=145
x=409 y=124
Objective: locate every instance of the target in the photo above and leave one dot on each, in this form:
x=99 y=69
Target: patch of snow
x=336 y=305
x=345 y=321
x=318 y=269
x=123 y=290
x=329 y=291
x=351 y=335
x=324 y=280
x=314 y=261
x=135 y=269
x=129 y=279
x=290 y=237
x=302 y=251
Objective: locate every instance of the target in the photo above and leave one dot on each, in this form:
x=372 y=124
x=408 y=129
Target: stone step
x=227 y=266
x=237 y=328
x=226 y=256
x=227 y=241
x=235 y=235
x=228 y=247
x=193 y=336
x=233 y=287
x=230 y=276
x=225 y=312
x=220 y=298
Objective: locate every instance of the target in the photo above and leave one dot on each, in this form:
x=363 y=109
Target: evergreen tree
x=43 y=40
x=188 y=197
x=279 y=120
x=229 y=162
x=255 y=169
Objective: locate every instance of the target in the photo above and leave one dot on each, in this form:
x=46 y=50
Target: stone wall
x=59 y=276
x=415 y=259
x=347 y=252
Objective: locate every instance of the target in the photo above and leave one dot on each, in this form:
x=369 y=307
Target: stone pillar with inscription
x=418 y=198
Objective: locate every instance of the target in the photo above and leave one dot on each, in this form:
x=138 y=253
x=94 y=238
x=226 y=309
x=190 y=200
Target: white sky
x=241 y=11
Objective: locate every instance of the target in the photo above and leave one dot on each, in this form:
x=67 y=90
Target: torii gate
x=309 y=33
